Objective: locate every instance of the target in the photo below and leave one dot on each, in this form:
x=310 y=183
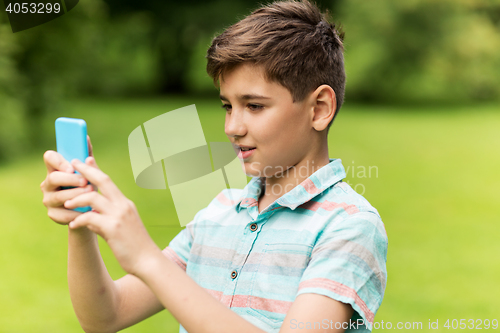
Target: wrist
x=83 y=234
x=148 y=262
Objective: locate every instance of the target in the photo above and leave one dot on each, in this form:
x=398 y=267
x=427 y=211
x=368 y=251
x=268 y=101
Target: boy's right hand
x=61 y=173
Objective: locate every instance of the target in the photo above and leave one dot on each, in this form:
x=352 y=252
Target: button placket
x=243 y=248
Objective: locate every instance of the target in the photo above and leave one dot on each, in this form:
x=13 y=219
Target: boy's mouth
x=245 y=152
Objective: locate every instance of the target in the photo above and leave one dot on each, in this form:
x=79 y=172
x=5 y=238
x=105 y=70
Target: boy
x=296 y=249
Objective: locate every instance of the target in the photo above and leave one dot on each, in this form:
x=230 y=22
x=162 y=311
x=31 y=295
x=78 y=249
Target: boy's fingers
x=58 y=198
x=100 y=179
x=93 y=221
x=62 y=215
x=55 y=162
x=57 y=179
x=93 y=199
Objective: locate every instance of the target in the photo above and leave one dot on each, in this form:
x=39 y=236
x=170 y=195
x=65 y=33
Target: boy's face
x=261 y=115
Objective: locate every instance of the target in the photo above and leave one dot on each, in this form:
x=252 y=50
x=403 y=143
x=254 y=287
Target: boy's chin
x=252 y=169
x=257 y=169
x=252 y=173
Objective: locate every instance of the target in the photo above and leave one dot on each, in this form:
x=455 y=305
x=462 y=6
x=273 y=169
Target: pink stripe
x=271 y=305
x=257 y=303
x=339 y=289
x=328 y=205
x=309 y=186
x=225 y=201
x=174 y=257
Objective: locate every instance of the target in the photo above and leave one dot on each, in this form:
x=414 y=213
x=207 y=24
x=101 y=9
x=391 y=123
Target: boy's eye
x=255 y=106
x=252 y=107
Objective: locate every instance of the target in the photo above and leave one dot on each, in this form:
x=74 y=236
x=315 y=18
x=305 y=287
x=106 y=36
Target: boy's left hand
x=114 y=218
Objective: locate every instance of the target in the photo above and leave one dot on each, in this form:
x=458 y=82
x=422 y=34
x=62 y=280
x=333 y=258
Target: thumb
x=91 y=161
x=91 y=153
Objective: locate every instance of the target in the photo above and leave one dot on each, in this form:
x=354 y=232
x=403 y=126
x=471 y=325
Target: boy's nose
x=235 y=125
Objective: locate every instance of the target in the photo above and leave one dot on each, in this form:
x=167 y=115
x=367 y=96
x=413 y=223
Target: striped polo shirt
x=321 y=237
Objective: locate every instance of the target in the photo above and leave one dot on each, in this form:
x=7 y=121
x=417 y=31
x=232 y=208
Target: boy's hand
x=61 y=173
x=114 y=218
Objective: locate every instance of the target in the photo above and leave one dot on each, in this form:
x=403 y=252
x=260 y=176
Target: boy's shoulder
x=339 y=208
x=343 y=194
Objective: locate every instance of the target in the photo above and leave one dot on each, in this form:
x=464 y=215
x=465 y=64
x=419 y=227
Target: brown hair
x=295 y=43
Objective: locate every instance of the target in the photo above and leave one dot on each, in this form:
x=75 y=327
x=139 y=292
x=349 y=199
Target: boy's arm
x=101 y=304
x=106 y=306
x=332 y=315
x=93 y=293
x=199 y=312
x=190 y=304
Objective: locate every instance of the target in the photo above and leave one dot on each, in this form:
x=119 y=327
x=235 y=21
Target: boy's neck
x=279 y=185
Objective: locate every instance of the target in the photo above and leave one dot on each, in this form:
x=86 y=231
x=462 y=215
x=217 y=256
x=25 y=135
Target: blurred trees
x=11 y=109
x=396 y=51
x=79 y=54
x=178 y=29
x=422 y=50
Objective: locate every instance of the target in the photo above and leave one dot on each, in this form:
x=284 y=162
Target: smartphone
x=71 y=140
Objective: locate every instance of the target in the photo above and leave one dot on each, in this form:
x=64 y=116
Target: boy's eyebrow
x=246 y=97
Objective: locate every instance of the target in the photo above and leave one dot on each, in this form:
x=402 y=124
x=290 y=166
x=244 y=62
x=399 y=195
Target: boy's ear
x=324 y=102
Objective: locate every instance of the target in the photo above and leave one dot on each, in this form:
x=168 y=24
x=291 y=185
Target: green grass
x=436 y=188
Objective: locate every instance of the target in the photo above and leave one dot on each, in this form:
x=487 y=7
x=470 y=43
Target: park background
x=422 y=109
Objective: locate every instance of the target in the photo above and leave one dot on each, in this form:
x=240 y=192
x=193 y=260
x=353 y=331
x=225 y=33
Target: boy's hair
x=295 y=43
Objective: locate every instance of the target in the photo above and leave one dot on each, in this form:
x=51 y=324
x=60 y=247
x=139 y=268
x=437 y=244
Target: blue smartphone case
x=71 y=140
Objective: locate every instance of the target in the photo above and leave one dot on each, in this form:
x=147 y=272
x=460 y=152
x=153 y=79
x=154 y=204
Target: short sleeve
x=348 y=264
x=179 y=248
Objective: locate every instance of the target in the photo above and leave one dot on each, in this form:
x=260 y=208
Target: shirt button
x=234 y=274
x=253 y=226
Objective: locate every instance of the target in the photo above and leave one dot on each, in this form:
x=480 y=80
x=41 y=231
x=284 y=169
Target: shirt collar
x=317 y=183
